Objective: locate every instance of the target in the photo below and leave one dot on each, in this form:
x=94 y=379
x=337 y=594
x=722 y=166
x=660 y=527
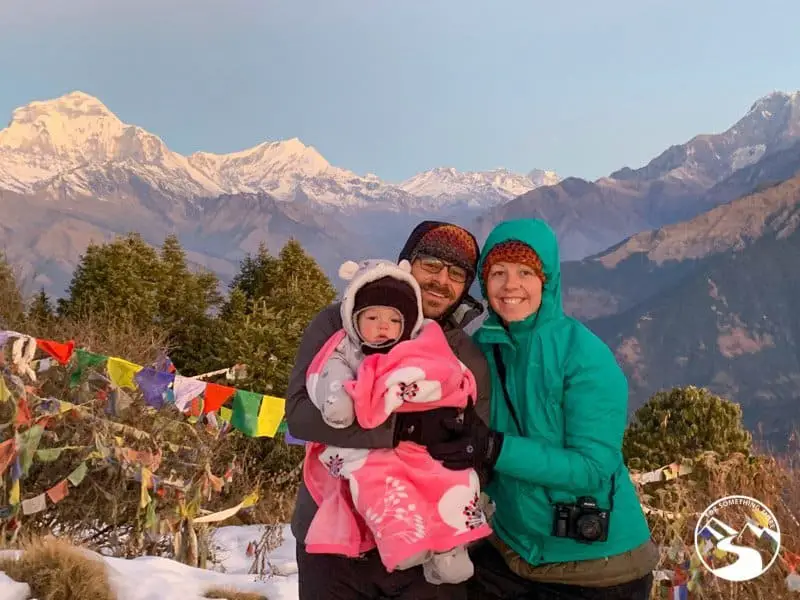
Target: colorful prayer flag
x=215 y=396
x=77 y=475
x=270 y=415
x=186 y=389
x=246 y=407
x=121 y=372
x=58 y=492
x=153 y=385
x=34 y=505
x=61 y=351
x=84 y=360
x=5 y=393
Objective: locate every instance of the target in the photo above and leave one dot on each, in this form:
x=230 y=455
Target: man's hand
x=425 y=427
x=471 y=445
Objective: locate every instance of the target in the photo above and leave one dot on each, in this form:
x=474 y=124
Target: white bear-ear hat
x=366 y=271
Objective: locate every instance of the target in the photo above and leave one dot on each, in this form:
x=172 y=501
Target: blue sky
x=396 y=87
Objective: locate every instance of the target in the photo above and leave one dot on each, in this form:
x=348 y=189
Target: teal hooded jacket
x=571 y=399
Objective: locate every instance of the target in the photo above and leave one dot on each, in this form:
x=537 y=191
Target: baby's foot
x=453 y=566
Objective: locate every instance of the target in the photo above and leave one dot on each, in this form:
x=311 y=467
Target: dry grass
x=232 y=594
x=56 y=570
x=773 y=481
x=110 y=335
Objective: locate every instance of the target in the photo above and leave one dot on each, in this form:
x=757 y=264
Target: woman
x=568 y=523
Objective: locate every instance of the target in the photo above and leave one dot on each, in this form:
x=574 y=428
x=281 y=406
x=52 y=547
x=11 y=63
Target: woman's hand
x=471 y=445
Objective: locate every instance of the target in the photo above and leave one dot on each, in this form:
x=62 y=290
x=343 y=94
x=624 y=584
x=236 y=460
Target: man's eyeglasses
x=431 y=264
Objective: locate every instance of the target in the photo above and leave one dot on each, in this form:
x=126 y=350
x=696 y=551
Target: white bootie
x=453 y=566
x=415 y=561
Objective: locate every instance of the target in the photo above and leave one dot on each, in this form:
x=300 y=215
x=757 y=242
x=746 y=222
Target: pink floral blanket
x=399 y=500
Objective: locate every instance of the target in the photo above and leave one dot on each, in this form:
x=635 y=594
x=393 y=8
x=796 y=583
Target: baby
x=387 y=358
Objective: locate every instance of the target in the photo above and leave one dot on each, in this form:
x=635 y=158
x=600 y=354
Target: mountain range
x=680 y=183
x=72 y=171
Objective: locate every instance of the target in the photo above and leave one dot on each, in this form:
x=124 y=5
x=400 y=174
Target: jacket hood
x=468 y=306
x=542 y=239
x=366 y=271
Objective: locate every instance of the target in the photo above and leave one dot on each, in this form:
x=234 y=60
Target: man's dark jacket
x=305 y=420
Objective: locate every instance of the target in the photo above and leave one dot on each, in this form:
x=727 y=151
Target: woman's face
x=514 y=291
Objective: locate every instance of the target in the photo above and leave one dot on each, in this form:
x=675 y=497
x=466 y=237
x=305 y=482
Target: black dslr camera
x=583 y=521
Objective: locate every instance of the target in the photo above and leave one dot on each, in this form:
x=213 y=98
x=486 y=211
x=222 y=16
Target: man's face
x=442 y=283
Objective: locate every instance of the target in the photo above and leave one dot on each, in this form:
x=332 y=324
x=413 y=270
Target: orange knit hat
x=513 y=252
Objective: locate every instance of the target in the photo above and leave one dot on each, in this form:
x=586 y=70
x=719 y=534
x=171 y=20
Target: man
x=443 y=260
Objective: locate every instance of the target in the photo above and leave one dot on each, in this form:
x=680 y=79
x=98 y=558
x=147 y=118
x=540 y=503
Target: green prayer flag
x=84 y=360
x=49 y=454
x=245 y=412
x=283 y=427
x=76 y=477
x=29 y=443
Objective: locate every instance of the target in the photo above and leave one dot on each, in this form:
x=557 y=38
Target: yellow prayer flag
x=121 y=372
x=65 y=406
x=250 y=499
x=13 y=497
x=270 y=415
x=144 y=499
x=5 y=394
x=226 y=414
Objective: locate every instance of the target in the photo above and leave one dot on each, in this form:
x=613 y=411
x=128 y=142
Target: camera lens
x=589 y=527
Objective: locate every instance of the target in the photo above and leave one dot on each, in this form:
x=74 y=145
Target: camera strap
x=501 y=373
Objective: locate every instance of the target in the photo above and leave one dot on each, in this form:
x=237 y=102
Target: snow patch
x=748 y=155
x=155 y=578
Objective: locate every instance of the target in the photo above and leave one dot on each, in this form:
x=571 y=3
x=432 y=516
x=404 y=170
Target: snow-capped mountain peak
x=447 y=184
x=74 y=146
x=73 y=127
x=767 y=105
x=254 y=168
x=541 y=178
x=79 y=129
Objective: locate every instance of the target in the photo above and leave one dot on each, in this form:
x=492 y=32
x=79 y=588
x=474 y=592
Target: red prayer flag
x=215 y=396
x=23 y=416
x=62 y=352
x=58 y=492
x=8 y=451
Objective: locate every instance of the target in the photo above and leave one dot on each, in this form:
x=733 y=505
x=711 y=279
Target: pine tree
x=256 y=274
x=129 y=279
x=301 y=287
x=119 y=279
x=271 y=302
x=12 y=306
x=684 y=423
x=41 y=310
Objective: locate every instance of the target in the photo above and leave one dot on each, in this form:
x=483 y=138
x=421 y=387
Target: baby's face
x=380 y=324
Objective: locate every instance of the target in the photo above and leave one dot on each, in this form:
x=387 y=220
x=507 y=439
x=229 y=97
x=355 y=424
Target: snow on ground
x=154 y=578
x=11 y=590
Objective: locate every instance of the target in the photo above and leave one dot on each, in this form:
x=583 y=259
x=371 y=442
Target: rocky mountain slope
x=625 y=274
x=712 y=302
x=676 y=185
x=73 y=164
